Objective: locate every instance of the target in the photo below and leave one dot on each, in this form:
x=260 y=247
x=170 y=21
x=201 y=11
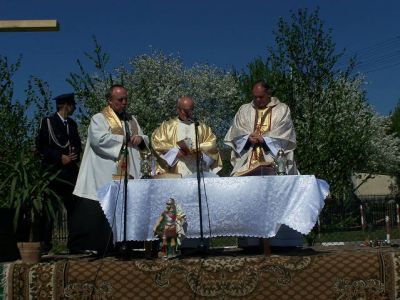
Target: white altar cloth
x=237 y=206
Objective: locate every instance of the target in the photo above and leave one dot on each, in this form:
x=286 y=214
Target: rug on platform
x=2 y=282
x=342 y=275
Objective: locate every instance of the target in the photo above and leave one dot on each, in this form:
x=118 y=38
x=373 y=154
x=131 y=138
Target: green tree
x=12 y=114
x=19 y=119
x=90 y=85
x=256 y=70
x=395 y=120
x=395 y=130
x=336 y=130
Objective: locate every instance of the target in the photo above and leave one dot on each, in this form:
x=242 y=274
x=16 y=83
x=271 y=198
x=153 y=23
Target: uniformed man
x=59 y=145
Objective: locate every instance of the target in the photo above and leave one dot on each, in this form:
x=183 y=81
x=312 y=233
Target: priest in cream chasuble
x=103 y=159
x=259 y=130
x=174 y=143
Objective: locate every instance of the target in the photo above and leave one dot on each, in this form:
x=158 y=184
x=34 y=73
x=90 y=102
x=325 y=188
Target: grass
x=223 y=241
x=334 y=236
x=355 y=235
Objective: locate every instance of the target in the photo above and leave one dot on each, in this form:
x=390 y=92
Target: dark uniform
x=55 y=138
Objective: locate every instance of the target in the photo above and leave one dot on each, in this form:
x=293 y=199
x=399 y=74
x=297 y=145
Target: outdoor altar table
x=253 y=206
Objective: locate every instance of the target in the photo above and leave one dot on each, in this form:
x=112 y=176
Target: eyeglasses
x=186 y=110
x=121 y=99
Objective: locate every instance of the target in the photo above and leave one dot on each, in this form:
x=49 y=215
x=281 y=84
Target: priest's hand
x=254 y=138
x=67 y=159
x=136 y=140
x=181 y=154
x=261 y=139
x=183 y=146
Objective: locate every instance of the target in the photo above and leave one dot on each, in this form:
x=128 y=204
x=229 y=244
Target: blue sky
x=221 y=33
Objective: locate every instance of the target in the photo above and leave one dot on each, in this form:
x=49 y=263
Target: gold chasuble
x=262 y=125
x=257 y=162
x=166 y=137
x=116 y=128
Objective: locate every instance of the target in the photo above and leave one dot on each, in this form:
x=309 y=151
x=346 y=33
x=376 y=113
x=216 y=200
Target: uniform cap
x=65 y=98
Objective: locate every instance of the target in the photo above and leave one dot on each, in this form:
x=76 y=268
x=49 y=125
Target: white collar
x=62 y=119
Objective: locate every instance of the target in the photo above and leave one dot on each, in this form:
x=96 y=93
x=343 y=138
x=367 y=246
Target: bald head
x=261 y=95
x=185 y=101
x=184 y=108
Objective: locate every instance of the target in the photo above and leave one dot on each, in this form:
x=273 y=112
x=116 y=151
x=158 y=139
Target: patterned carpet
x=331 y=275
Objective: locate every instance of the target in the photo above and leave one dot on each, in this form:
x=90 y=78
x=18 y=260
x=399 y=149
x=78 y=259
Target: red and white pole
x=362 y=217
x=398 y=216
x=387 y=220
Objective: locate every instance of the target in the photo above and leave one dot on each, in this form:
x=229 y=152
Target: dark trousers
x=89 y=228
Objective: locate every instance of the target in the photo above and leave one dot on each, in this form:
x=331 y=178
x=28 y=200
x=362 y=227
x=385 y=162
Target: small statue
x=170 y=228
x=280 y=163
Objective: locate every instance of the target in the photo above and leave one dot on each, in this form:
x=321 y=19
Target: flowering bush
x=154 y=83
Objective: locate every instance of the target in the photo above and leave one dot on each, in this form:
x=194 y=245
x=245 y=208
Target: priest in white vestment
x=259 y=130
x=174 y=142
x=103 y=159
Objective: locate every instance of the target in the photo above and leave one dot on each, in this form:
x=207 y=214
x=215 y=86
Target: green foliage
x=333 y=136
x=395 y=130
x=12 y=115
x=158 y=81
x=91 y=86
x=19 y=119
x=395 y=120
x=27 y=189
x=337 y=133
x=302 y=63
x=38 y=103
x=384 y=147
x=256 y=70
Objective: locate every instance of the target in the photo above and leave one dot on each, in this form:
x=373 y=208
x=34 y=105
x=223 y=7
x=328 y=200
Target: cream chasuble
x=102 y=160
x=274 y=123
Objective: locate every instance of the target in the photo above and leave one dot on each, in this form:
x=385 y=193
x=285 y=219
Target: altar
x=254 y=206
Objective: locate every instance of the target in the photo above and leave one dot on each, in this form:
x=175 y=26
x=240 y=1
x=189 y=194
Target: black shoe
x=82 y=252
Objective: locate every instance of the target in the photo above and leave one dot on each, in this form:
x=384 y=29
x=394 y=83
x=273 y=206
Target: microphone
x=194 y=120
x=125 y=115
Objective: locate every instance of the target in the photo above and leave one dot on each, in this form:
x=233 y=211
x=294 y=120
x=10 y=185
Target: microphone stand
x=124 y=249
x=202 y=246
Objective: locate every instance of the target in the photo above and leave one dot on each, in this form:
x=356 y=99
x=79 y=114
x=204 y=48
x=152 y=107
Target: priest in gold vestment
x=174 y=143
x=259 y=130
